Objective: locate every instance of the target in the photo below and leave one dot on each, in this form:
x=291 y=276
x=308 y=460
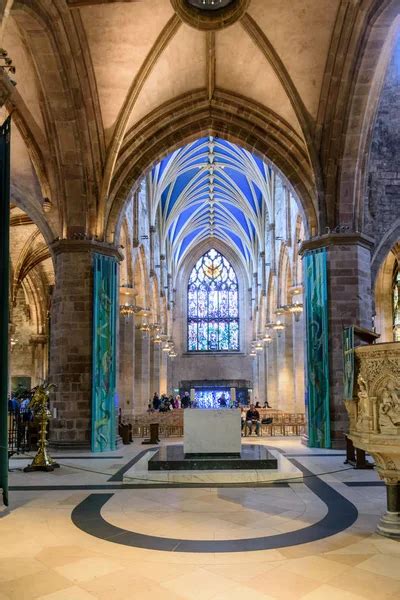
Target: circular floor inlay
x=341 y=515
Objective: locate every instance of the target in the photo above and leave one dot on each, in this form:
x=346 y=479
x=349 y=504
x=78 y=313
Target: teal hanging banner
x=317 y=332
x=5 y=131
x=104 y=353
x=348 y=362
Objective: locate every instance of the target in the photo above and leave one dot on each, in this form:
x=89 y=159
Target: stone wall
x=71 y=348
x=382 y=199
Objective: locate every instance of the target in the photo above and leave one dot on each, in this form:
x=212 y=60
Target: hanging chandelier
x=296 y=309
x=127 y=310
x=279 y=327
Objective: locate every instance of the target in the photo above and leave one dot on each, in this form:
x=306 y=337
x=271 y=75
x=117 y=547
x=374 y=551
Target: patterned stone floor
x=45 y=554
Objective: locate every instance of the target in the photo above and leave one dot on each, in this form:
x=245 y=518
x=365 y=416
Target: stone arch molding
x=229 y=116
x=374 y=56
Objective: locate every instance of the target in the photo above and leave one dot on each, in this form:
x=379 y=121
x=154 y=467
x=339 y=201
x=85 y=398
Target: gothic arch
x=191 y=116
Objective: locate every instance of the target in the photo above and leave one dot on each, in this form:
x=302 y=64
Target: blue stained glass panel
x=213 y=305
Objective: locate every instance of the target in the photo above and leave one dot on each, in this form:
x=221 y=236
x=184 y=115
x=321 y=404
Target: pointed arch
x=229 y=116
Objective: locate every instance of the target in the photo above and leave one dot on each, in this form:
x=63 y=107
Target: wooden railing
x=283 y=424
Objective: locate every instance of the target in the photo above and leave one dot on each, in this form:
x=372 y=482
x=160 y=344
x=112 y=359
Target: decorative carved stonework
x=374 y=415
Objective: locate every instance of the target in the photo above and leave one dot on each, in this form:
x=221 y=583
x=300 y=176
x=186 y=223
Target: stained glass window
x=396 y=303
x=213 y=306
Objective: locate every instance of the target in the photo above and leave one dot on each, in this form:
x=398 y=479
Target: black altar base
x=172 y=458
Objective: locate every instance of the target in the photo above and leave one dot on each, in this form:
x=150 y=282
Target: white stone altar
x=212 y=431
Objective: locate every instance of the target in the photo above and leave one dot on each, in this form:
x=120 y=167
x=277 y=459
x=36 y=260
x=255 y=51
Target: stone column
x=39 y=358
x=349 y=303
x=298 y=364
x=155 y=360
x=142 y=394
x=126 y=364
x=163 y=376
x=272 y=379
x=261 y=377
x=284 y=341
x=152 y=232
x=70 y=366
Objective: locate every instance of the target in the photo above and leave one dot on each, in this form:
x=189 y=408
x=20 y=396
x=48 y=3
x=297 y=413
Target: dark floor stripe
x=305 y=455
x=143 y=486
x=364 y=483
x=341 y=515
x=119 y=475
x=72 y=457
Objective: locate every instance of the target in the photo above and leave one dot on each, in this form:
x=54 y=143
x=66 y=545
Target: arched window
x=396 y=302
x=213 y=305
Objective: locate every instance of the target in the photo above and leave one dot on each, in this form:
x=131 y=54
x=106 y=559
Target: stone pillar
x=272 y=379
x=162 y=278
x=285 y=365
x=126 y=364
x=70 y=366
x=163 y=380
x=349 y=303
x=155 y=360
x=263 y=274
x=152 y=232
x=261 y=377
x=142 y=372
x=39 y=358
x=298 y=364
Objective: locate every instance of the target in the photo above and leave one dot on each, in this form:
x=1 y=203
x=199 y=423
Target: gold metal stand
x=42 y=460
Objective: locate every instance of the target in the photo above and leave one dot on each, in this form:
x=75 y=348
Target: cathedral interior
x=200 y=215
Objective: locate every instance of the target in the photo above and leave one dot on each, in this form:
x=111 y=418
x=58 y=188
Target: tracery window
x=213 y=305
x=396 y=303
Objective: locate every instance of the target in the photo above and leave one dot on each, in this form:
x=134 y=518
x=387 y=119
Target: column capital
x=38 y=339
x=85 y=246
x=336 y=239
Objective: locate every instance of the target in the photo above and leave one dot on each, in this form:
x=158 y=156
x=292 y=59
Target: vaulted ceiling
x=96 y=77
x=212 y=188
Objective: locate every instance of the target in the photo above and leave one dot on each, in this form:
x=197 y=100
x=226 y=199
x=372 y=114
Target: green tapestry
x=5 y=131
x=104 y=353
x=348 y=362
x=317 y=334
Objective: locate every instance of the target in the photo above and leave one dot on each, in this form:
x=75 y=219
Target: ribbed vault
x=212 y=188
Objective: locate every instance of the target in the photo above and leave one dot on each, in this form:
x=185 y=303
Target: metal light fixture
x=127 y=310
x=279 y=326
x=296 y=308
x=267 y=339
x=157 y=338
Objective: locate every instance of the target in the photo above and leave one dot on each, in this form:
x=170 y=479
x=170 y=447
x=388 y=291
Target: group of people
x=165 y=403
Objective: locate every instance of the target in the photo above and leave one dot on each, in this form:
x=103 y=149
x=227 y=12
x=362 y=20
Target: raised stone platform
x=286 y=471
x=173 y=458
